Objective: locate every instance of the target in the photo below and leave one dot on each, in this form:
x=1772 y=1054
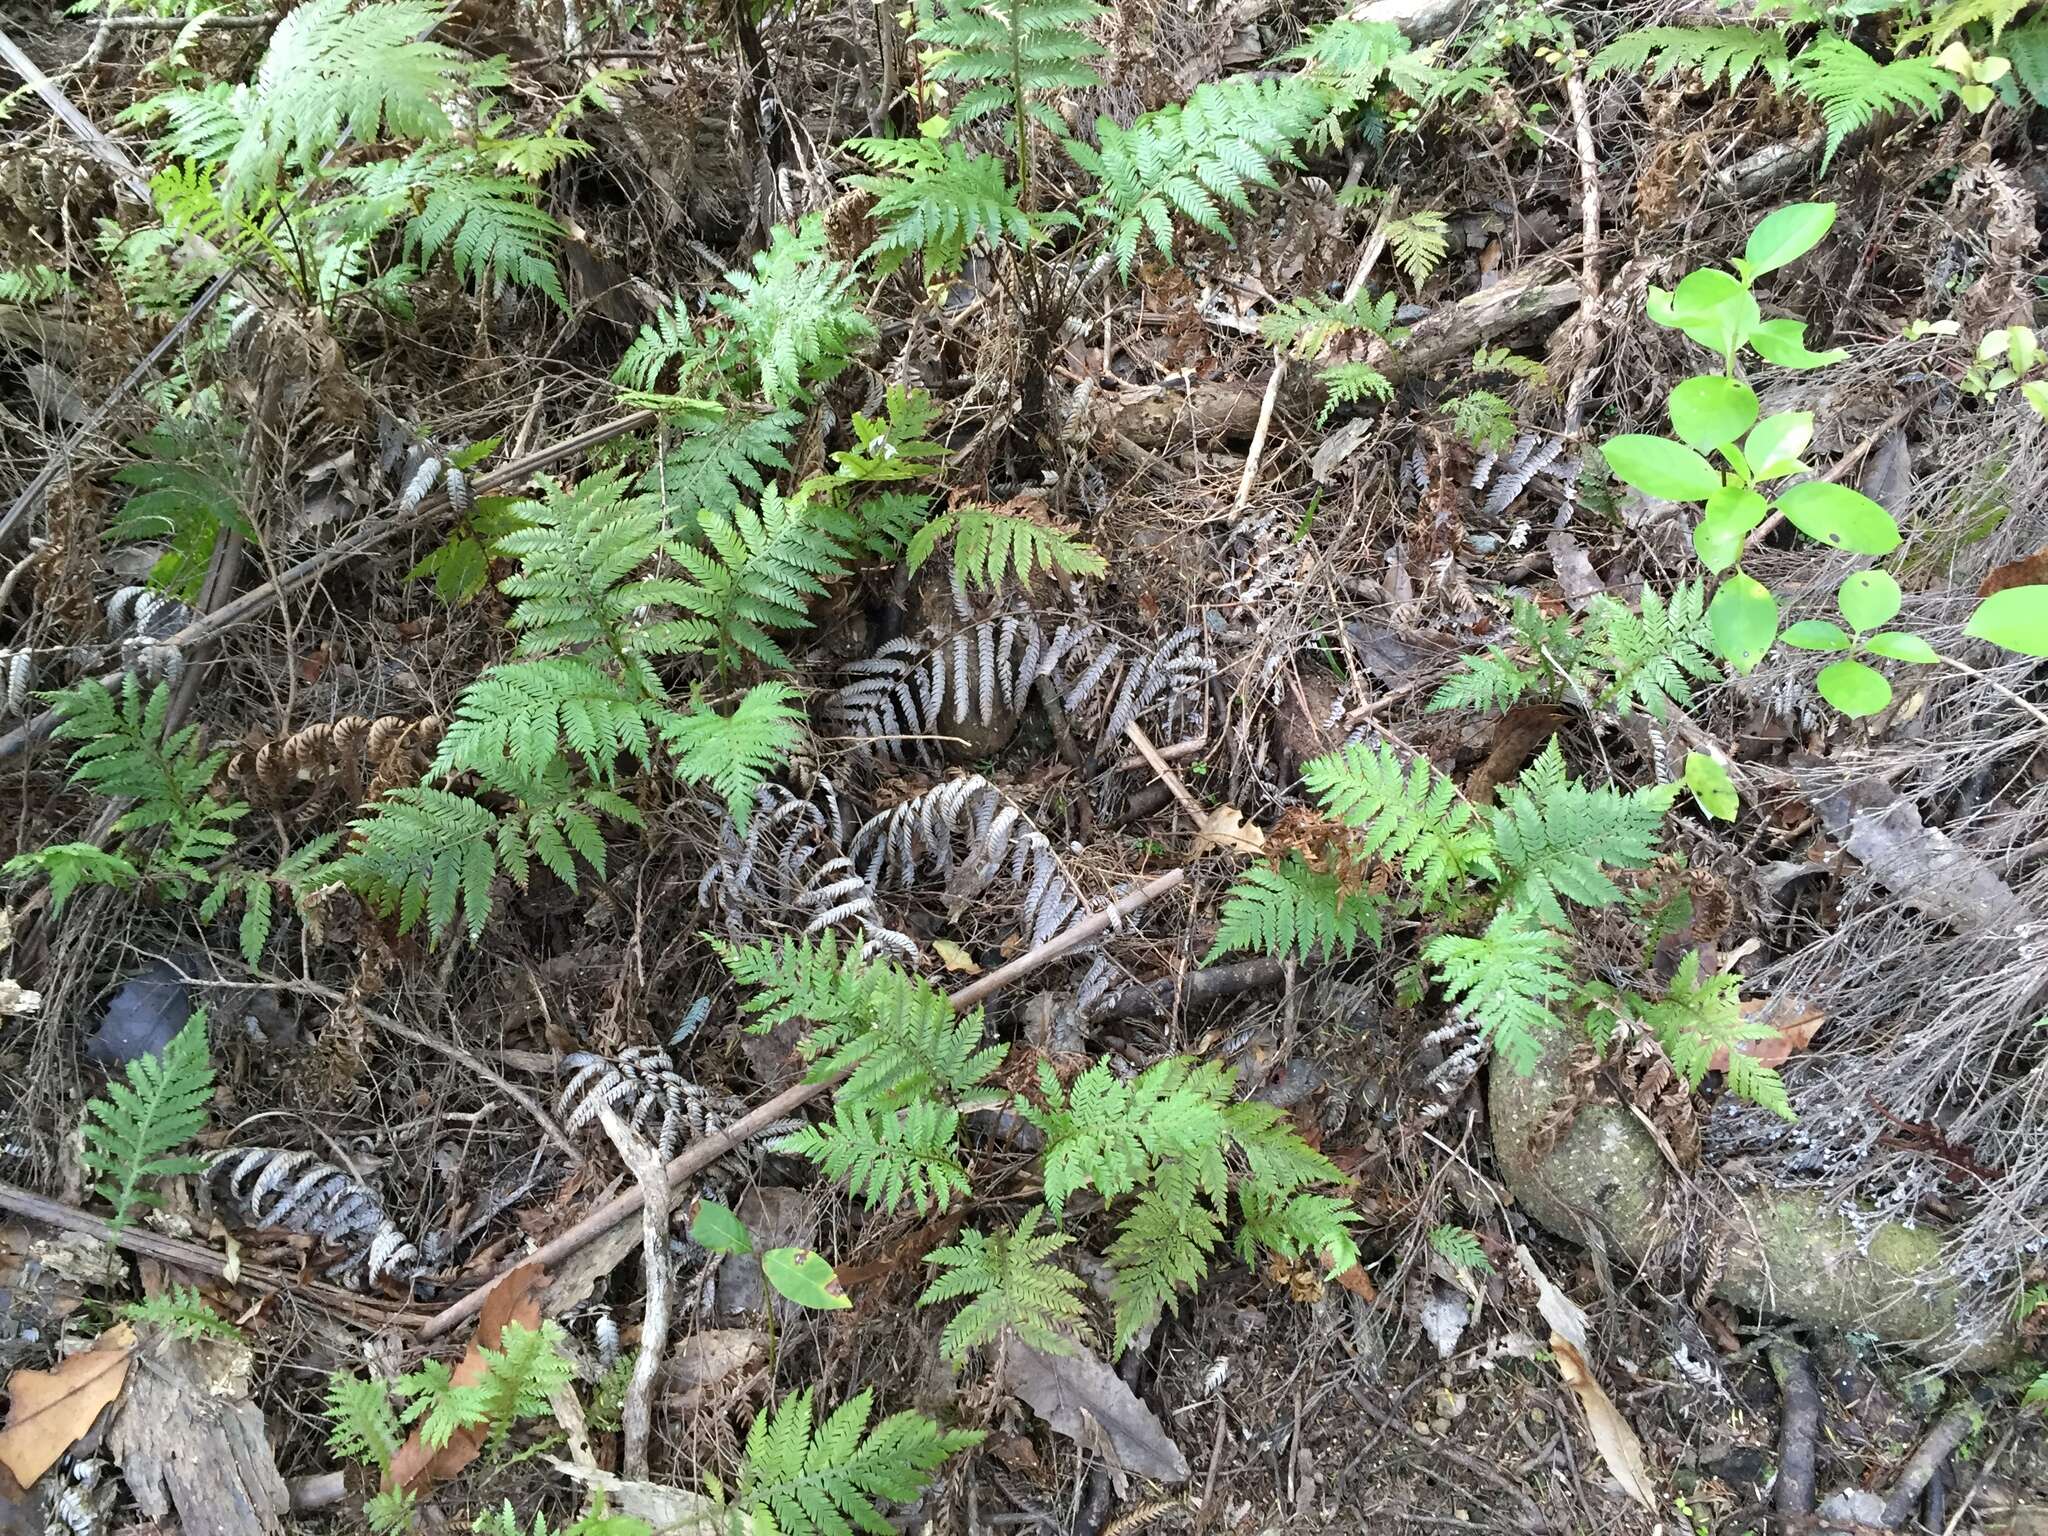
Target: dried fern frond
x=968 y=834
x=288 y=1191
x=355 y=753
x=787 y=868
x=646 y=1090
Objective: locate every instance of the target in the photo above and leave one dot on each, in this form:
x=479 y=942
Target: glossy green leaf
x=1744 y=619
x=1784 y=342
x=1708 y=780
x=1714 y=309
x=1816 y=635
x=2035 y=392
x=1786 y=235
x=1775 y=444
x=715 y=1227
x=2016 y=618
x=1838 y=516
x=1853 y=688
x=1710 y=410
x=1732 y=512
x=1897 y=645
x=1658 y=467
x=1868 y=599
x=805 y=1278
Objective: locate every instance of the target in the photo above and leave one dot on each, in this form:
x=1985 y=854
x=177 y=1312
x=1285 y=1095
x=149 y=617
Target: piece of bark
x=1205 y=413
x=1455 y=329
x=183 y=1444
x=1799 y=1430
x=1882 y=829
x=1149 y=999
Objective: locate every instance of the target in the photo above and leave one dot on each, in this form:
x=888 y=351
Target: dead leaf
x=672 y=1511
x=705 y=1360
x=1226 y=829
x=1795 y=1033
x=512 y=1300
x=49 y=1410
x=1358 y=1283
x=954 y=958
x=1082 y=1398
x=2029 y=572
x=1617 y=1443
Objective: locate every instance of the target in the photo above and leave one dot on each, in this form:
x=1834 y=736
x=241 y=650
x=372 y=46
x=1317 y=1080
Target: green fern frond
x=935 y=200
x=810 y=978
x=1420 y=243
x=1460 y=1247
x=1720 y=53
x=800 y=1481
x=1552 y=837
x=1161 y=1249
x=896 y=445
x=1296 y=1226
x=723 y=463
x=1413 y=818
x=364 y=1426
x=1850 y=88
x=185 y=480
x=181 y=1313
x=578 y=550
x=1653 y=658
x=1110 y=1136
x=492 y=228
x=1195 y=160
x=133 y=1133
x=735 y=753
x=438 y=1405
x=32 y=285
x=669 y=361
x=1014 y=1287
x=2027 y=47
x=1695 y=1020
x=1353 y=59
x=1304 y=326
x=991 y=547
x=906 y=1043
x=756 y=572
x=1483 y=419
x=795 y=313
x=1506 y=981
x=420 y=853
x=1348 y=383
x=521 y=1374
x=1294 y=912
x=69 y=866
x=886 y=1156
x=1008 y=53
x=517 y=720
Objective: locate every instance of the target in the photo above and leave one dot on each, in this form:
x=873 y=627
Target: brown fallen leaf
x=1795 y=1022
x=954 y=958
x=1358 y=1283
x=49 y=1410
x=1082 y=1398
x=1612 y=1438
x=417 y=1464
x=2032 y=571
x=1225 y=829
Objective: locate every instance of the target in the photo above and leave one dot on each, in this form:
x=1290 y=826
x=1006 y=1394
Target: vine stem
x=712 y=1148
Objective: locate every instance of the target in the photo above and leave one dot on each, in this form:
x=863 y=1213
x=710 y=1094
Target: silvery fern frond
x=295 y=1191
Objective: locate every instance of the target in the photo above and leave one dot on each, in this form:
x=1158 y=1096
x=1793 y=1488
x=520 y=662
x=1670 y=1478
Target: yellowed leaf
x=1226 y=829
x=49 y=1410
x=955 y=958
x=1616 y=1442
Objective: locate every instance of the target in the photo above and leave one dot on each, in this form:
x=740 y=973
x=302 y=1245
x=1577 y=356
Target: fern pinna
x=132 y=1135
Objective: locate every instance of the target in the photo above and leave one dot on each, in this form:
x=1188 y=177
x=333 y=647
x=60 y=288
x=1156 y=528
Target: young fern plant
x=1009 y=54
x=132 y=1135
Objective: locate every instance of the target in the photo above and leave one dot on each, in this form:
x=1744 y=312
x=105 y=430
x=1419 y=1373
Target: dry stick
x=1589 y=237
x=712 y=1148
x=1949 y=1432
x=1167 y=776
x=201 y=1259
x=636 y=1418
x=1799 y=1428
x=260 y=599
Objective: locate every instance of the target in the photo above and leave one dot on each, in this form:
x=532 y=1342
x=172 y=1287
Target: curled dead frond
x=354 y=753
x=642 y=1085
x=288 y=1191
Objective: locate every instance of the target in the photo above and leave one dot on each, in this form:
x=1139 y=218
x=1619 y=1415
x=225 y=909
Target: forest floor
x=1285 y=571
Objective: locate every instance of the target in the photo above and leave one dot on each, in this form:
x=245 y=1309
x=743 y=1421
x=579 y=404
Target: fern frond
x=578 y=549
x=1720 y=53
x=1295 y=912
x=521 y=1374
x=438 y=1404
x=735 y=753
x=185 y=496
x=1695 y=1020
x=1420 y=243
x=935 y=200
x=1013 y=1287
x=720 y=464
x=1552 y=837
x=516 y=720
x=133 y=1133
x=1008 y=52
x=181 y=1313
x=1295 y=1226
x=32 y=285
x=801 y=1481
x=1505 y=980
x=1413 y=818
x=1111 y=1136
x=1304 y=326
x=68 y=866
x=1850 y=88
x=1460 y=1247
x=809 y=978
x=990 y=547
x=1349 y=383
x=1483 y=419
x=421 y=852
x=895 y=445
x=492 y=228
x=795 y=313
x=886 y=1156
x=668 y=358
x=1652 y=658
x=756 y=572
x=364 y=1425
x=1161 y=1248
x=2027 y=47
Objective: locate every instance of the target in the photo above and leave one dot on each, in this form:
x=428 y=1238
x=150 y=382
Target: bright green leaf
x=1836 y=515
x=1744 y=619
x=1718 y=542
x=1784 y=342
x=1896 y=645
x=1714 y=310
x=1868 y=599
x=1775 y=443
x=2036 y=393
x=1853 y=688
x=1816 y=635
x=1710 y=410
x=1707 y=778
x=714 y=1226
x=805 y=1278
x=1658 y=467
x=2016 y=618
x=1786 y=235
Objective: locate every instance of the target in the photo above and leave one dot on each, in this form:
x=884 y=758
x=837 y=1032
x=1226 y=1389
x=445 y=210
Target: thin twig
x=1996 y=686
x=1589 y=333
x=636 y=1417
x=1258 y=448
x=787 y=1102
x=1167 y=776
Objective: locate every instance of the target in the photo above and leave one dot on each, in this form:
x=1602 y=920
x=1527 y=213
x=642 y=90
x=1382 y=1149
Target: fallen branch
x=1949 y=1431
x=712 y=1148
x=1152 y=998
x=636 y=1417
x=1798 y=1430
